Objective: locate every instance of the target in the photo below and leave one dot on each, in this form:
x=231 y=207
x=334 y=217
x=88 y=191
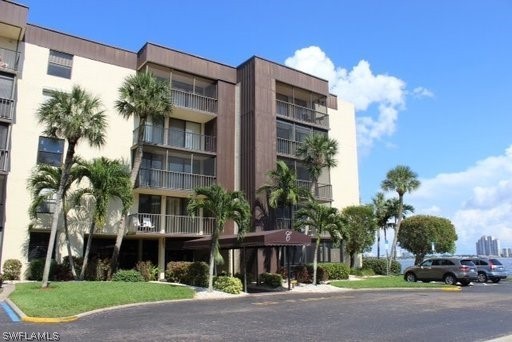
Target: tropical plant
x=317 y=152
x=43 y=184
x=143 y=96
x=400 y=179
x=72 y=116
x=321 y=219
x=12 y=269
x=283 y=189
x=222 y=205
x=424 y=234
x=359 y=223
x=382 y=216
x=107 y=179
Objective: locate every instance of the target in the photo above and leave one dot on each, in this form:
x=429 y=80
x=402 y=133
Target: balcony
x=9 y=60
x=6 y=108
x=170 y=224
x=302 y=114
x=323 y=192
x=192 y=101
x=161 y=179
x=287 y=147
x=172 y=137
x=4 y=160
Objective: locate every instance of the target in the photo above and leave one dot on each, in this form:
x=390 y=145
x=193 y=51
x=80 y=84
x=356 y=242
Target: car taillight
x=492 y=266
x=464 y=268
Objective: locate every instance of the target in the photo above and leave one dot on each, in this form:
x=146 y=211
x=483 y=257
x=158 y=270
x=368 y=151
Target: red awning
x=270 y=238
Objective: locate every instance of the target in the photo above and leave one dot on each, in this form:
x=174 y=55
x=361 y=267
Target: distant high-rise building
x=487 y=245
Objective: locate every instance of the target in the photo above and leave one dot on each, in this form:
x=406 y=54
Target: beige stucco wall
x=344 y=177
x=100 y=79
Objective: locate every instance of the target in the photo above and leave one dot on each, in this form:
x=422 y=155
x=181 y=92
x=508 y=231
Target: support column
x=161 y=258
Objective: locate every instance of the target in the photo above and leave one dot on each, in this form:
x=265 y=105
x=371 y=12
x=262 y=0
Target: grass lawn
x=63 y=299
x=383 y=282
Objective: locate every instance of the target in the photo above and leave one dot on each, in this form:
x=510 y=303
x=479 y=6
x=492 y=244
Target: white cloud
x=361 y=87
x=420 y=92
x=477 y=200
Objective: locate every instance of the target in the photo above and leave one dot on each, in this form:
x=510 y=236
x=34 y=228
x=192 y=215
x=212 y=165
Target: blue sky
x=430 y=80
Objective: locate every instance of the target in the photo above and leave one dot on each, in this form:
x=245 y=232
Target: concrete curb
x=30 y=319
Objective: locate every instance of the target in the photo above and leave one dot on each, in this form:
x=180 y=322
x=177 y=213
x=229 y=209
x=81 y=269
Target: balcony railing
x=6 y=108
x=170 y=224
x=4 y=160
x=185 y=99
x=323 y=192
x=154 y=178
x=303 y=114
x=288 y=147
x=9 y=60
x=176 y=138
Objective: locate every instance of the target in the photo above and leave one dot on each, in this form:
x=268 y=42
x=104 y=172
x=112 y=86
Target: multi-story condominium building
x=229 y=125
x=487 y=245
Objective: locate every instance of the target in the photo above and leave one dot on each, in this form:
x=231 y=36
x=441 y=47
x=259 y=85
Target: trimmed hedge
x=336 y=270
x=271 y=279
x=12 y=269
x=128 y=276
x=362 y=272
x=379 y=266
x=228 y=284
x=190 y=273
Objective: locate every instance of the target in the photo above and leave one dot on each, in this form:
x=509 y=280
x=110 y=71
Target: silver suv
x=489 y=269
x=449 y=270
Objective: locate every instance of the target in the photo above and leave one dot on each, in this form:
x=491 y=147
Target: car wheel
x=464 y=282
x=482 y=277
x=449 y=279
x=496 y=280
x=410 y=277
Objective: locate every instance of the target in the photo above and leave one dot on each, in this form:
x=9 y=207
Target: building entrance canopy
x=271 y=238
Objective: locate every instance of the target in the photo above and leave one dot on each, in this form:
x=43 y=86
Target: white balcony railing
x=9 y=60
x=170 y=224
x=303 y=114
x=176 y=138
x=185 y=99
x=322 y=192
x=6 y=108
x=154 y=178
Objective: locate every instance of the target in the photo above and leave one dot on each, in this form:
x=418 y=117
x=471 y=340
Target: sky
x=430 y=81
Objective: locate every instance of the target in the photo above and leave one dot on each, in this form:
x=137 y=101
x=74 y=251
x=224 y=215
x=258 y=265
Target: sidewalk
x=7 y=288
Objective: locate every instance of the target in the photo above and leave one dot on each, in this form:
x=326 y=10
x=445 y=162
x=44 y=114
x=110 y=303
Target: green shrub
x=228 y=284
x=147 y=270
x=12 y=269
x=128 y=276
x=97 y=269
x=190 y=273
x=36 y=268
x=379 y=266
x=321 y=275
x=250 y=277
x=335 y=270
x=271 y=279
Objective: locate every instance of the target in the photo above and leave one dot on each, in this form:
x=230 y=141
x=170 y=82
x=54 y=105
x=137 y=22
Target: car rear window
x=467 y=263
x=495 y=262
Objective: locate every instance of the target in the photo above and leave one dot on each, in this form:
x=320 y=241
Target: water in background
x=507 y=263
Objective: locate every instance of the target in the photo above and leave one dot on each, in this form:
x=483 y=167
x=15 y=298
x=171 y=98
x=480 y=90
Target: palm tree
x=43 y=184
x=144 y=96
x=283 y=188
x=400 y=179
x=382 y=216
x=223 y=205
x=322 y=219
x=108 y=179
x=317 y=152
x=72 y=116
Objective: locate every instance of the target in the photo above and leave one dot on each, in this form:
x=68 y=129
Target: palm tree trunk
x=58 y=209
x=378 y=243
x=397 y=227
x=213 y=249
x=121 y=231
x=315 y=258
x=87 y=249
x=68 y=242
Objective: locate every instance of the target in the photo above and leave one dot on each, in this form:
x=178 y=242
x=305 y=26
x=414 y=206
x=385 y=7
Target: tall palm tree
x=72 y=116
x=317 y=152
x=43 y=184
x=143 y=96
x=108 y=179
x=400 y=179
x=223 y=205
x=322 y=219
x=283 y=189
x=382 y=216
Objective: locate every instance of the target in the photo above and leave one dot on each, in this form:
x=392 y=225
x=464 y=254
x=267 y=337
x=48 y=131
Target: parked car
x=489 y=269
x=449 y=270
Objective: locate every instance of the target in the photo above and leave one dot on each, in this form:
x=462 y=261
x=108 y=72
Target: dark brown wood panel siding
x=332 y=101
x=186 y=62
x=13 y=14
x=80 y=47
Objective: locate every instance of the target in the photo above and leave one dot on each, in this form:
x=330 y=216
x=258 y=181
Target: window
x=50 y=151
x=60 y=64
